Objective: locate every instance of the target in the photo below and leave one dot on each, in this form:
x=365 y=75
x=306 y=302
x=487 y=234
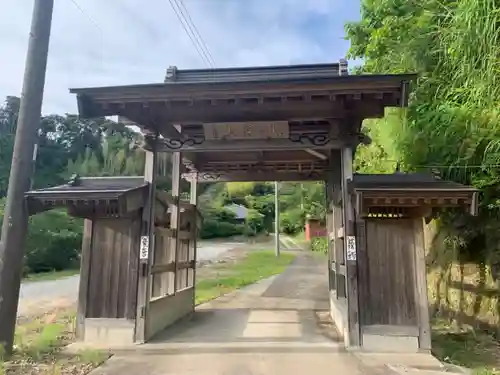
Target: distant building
x=240 y=212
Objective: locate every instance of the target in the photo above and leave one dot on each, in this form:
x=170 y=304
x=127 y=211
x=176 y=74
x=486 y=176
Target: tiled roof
x=248 y=74
x=405 y=181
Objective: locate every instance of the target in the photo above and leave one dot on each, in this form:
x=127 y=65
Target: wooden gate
x=172 y=272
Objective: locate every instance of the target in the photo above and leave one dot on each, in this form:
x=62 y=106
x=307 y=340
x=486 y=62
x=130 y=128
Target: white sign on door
x=351 y=248
x=144 y=252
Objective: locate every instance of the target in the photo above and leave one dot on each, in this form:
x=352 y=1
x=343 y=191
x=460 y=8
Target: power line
x=197 y=32
x=96 y=24
x=193 y=38
x=75 y=3
x=449 y=166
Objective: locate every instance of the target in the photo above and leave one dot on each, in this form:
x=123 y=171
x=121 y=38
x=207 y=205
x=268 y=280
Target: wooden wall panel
x=114 y=269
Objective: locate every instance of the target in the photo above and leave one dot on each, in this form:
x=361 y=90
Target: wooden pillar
x=336 y=250
x=338 y=222
x=193 y=199
x=146 y=254
x=175 y=216
x=330 y=234
x=421 y=296
x=350 y=251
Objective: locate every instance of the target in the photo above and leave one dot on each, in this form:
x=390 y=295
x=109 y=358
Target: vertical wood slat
x=84 y=278
x=114 y=263
x=351 y=265
x=121 y=266
x=176 y=214
x=131 y=263
x=95 y=292
x=147 y=229
x=421 y=287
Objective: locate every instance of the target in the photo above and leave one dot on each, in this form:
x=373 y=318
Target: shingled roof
x=93 y=184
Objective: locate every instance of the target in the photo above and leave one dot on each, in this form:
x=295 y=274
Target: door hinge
x=143 y=311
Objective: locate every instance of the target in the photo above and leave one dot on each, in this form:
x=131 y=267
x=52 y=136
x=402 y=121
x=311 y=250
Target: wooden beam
x=183 y=234
x=254 y=176
x=199 y=144
x=184 y=113
x=171 y=267
x=316 y=153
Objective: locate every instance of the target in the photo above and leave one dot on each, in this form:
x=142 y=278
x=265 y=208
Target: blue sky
x=118 y=42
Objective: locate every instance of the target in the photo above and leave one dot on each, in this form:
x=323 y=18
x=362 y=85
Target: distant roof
x=404 y=181
x=241 y=212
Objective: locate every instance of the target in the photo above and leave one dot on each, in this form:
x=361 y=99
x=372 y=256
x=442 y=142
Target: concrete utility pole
x=277 y=218
x=15 y=221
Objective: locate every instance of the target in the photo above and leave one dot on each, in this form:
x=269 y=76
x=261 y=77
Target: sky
x=120 y=42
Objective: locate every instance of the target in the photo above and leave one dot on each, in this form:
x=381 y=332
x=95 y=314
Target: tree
x=452 y=123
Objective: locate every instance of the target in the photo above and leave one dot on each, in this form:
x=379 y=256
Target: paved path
x=278 y=326
x=40 y=296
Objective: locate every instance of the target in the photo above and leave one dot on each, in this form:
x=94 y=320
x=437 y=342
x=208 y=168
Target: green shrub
x=254 y=223
x=53 y=243
x=319 y=244
x=220 y=229
x=292 y=222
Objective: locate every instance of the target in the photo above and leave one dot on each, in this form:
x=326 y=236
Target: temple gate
x=285 y=123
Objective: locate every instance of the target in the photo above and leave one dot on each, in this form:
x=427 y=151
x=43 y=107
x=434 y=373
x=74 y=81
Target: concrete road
x=279 y=326
x=63 y=292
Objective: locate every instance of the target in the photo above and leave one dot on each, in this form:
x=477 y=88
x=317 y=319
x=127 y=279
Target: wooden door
x=387 y=275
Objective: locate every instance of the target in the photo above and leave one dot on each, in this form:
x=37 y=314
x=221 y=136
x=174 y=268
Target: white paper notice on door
x=351 y=248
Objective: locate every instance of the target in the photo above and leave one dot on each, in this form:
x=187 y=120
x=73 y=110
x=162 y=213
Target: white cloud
x=117 y=42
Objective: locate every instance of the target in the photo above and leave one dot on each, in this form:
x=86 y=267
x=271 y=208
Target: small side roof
x=90 y=195
x=89 y=185
x=411 y=190
x=405 y=181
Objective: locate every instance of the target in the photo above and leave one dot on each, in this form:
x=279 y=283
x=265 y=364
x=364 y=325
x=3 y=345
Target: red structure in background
x=315 y=228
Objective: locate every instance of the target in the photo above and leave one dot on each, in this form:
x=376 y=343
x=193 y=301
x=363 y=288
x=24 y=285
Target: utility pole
x=277 y=218
x=15 y=221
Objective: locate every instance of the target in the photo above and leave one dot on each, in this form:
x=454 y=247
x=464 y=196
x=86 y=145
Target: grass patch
x=466 y=347
x=38 y=348
x=49 y=276
x=300 y=237
x=257 y=265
